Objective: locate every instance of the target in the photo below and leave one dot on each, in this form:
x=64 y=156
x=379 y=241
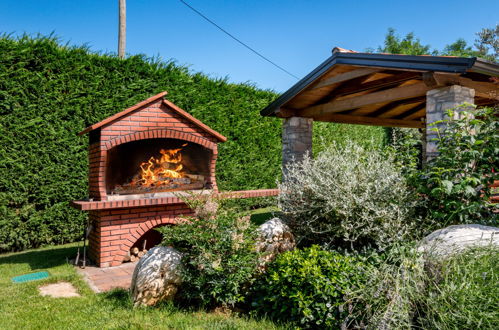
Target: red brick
x=120 y=211
x=127 y=226
x=120 y=231
x=109 y=248
x=147 y=214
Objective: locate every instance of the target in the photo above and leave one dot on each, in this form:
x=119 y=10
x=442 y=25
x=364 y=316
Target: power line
x=239 y=41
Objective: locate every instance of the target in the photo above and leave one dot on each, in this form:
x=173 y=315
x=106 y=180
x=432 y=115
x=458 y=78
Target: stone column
x=296 y=140
x=437 y=102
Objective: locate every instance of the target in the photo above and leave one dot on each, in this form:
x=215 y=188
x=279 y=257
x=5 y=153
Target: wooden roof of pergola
x=382 y=89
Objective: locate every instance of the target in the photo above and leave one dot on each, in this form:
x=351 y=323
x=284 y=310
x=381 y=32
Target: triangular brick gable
x=153 y=113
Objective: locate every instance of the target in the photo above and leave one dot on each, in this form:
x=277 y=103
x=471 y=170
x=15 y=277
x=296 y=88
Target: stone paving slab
x=106 y=279
x=59 y=290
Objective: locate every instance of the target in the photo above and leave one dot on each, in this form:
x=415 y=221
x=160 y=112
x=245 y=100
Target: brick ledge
x=85 y=205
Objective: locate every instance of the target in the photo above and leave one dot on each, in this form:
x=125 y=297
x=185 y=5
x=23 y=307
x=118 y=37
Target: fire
x=158 y=171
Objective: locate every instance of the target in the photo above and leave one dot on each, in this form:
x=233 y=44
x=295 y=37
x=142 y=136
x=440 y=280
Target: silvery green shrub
x=348 y=197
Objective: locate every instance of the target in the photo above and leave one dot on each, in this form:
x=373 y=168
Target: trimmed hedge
x=49 y=92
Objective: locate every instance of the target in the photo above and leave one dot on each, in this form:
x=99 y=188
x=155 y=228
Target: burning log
x=195 y=177
x=162 y=174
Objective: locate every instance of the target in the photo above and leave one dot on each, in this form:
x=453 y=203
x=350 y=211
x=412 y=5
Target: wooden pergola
x=381 y=90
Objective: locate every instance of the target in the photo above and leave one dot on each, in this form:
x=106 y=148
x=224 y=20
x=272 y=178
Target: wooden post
x=122 y=29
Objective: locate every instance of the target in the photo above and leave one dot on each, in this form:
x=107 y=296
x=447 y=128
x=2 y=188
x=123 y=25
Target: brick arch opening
x=150 y=238
x=132 y=231
x=161 y=133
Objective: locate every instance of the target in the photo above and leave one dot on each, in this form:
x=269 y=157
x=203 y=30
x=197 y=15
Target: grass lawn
x=259 y=216
x=22 y=307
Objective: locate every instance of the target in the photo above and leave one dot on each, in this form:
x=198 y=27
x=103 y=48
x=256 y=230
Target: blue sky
x=298 y=35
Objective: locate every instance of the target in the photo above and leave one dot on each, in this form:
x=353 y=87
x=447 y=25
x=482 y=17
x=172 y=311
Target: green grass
x=259 y=216
x=21 y=307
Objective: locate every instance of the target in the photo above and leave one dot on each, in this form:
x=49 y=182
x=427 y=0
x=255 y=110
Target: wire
x=236 y=39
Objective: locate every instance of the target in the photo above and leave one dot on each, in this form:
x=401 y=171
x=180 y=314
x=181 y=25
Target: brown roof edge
x=122 y=113
x=187 y=116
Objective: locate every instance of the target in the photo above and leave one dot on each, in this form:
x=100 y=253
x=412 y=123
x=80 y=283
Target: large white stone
x=157 y=276
x=274 y=237
x=454 y=239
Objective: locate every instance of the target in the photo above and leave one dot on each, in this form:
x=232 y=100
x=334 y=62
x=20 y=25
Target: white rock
x=453 y=239
x=274 y=237
x=156 y=277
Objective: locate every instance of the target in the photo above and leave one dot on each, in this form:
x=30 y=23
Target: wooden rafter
x=482 y=89
x=361 y=120
x=343 y=77
x=393 y=94
x=405 y=115
x=332 y=95
x=355 y=87
x=390 y=106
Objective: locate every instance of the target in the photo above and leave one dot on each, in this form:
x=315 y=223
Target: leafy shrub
x=309 y=287
x=349 y=196
x=455 y=186
x=402 y=292
x=405 y=144
x=219 y=257
x=48 y=93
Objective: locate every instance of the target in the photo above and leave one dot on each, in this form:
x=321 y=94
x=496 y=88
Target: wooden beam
x=390 y=106
x=411 y=111
x=343 y=77
x=285 y=113
x=429 y=79
x=378 y=83
x=393 y=94
x=361 y=120
x=482 y=89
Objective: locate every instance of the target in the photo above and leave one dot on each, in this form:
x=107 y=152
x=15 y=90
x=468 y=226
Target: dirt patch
x=59 y=290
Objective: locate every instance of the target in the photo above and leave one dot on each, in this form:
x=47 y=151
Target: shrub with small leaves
x=310 y=287
x=350 y=197
x=456 y=185
x=219 y=257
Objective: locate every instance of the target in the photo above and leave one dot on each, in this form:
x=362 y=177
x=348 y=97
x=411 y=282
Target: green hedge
x=49 y=92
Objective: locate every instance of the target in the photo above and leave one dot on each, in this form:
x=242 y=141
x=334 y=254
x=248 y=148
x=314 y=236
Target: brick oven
x=140 y=159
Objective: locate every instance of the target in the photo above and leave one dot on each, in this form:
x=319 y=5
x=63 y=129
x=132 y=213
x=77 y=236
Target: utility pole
x=122 y=29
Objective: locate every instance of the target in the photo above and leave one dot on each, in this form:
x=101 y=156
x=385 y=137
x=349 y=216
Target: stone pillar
x=437 y=102
x=296 y=140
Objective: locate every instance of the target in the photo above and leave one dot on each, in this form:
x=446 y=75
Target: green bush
x=406 y=291
x=48 y=93
x=456 y=185
x=310 y=287
x=219 y=257
x=350 y=197
x=465 y=295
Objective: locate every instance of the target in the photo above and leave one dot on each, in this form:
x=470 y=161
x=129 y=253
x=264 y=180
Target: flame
x=157 y=171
